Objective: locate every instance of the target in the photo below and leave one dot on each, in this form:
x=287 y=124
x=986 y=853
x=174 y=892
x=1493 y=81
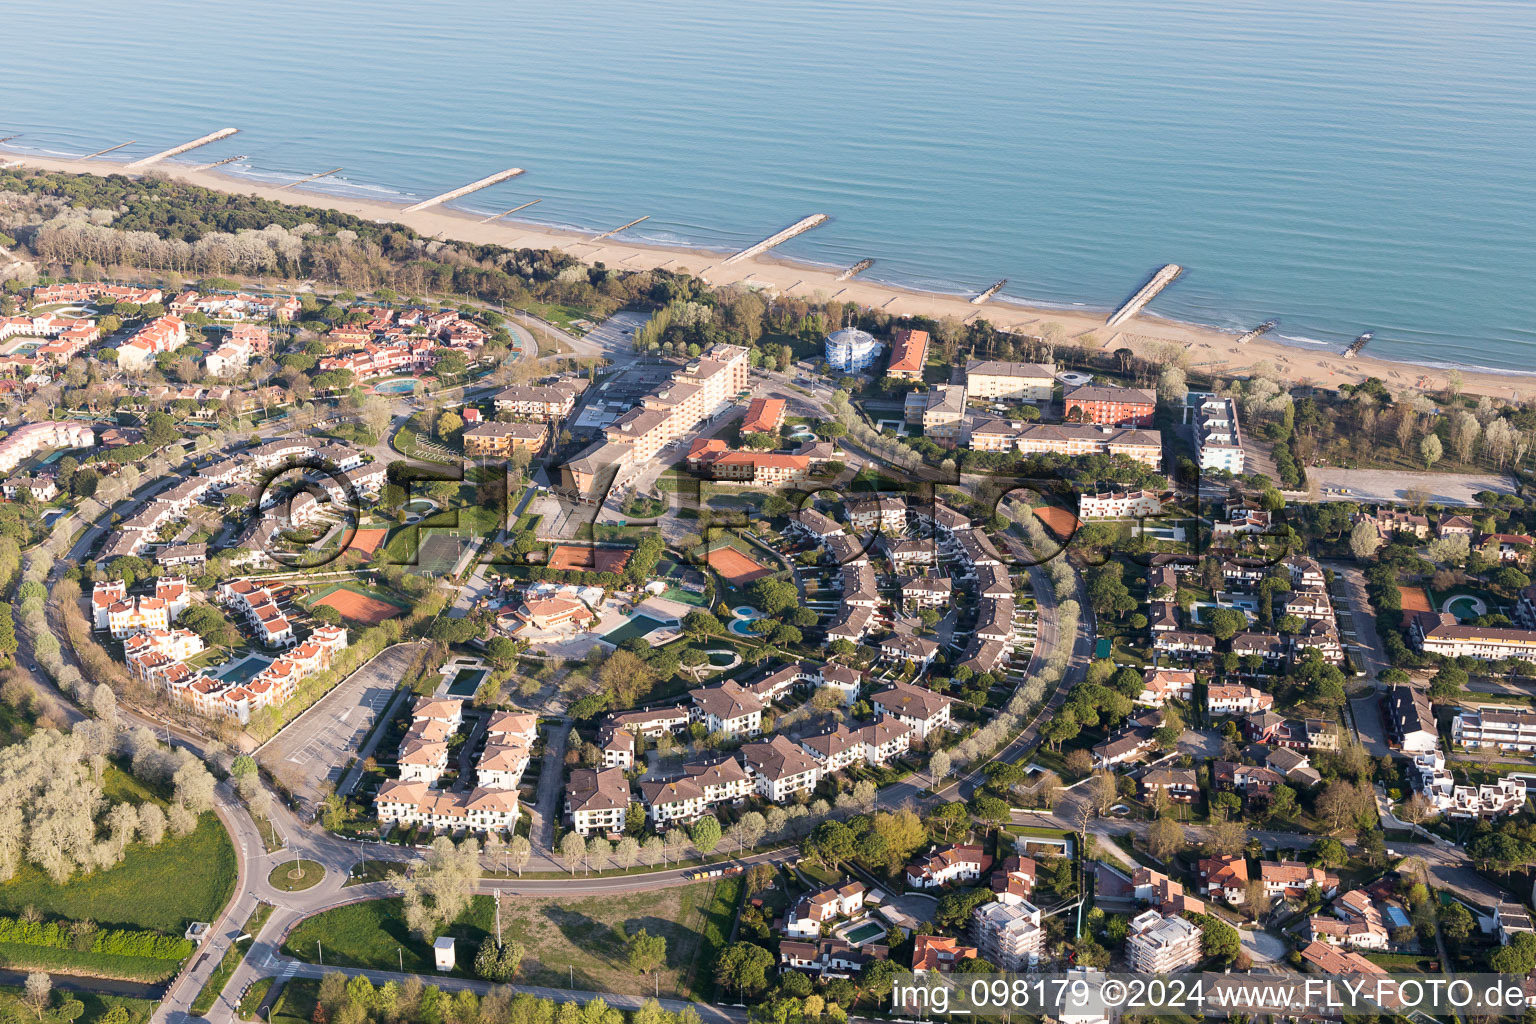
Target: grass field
x=96 y=1006
x=584 y=936
x=166 y=887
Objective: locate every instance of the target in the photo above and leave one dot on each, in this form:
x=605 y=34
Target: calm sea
x=1341 y=165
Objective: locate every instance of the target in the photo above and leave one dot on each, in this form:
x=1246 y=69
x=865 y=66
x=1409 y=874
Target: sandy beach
x=1209 y=350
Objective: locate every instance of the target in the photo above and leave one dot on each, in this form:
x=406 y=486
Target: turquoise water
x=400 y=386
x=1338 y=164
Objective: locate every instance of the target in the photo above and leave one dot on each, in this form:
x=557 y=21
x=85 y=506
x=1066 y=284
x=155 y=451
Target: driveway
x=1367 y=641
x=1372 y=731
x=546 y=807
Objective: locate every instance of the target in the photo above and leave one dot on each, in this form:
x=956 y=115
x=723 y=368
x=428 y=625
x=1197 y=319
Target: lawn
x=296 y=1002
x=562 y=936
x=165 y=888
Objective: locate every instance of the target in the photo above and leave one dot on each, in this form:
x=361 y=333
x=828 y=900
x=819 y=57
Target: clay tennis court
x=1415 y=600
x=368 y=541
x=736 y=567
x=369 y=611
x=1058 y=520
x=585 y=559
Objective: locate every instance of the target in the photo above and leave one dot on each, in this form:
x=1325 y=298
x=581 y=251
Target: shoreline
x=1210 y=350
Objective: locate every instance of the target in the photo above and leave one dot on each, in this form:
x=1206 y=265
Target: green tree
x=744 y=966
x=706 y=833
x=645 y=952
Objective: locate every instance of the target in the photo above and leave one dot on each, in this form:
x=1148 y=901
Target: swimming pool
x=638 y=625
x=864 y=932
x=743 y=627
x=466 y=682
x=746 y=611
x=244 y=670
x=398 y=386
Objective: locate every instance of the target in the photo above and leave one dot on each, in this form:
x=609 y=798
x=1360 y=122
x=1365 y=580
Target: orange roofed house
x=909 y=351
x=938 y=953
x=764 y=416
x=1224 y=877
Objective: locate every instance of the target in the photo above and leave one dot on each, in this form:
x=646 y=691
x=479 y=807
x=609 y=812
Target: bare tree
x=37 y=992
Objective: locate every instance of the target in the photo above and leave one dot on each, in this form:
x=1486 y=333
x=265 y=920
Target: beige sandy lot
x=1209 y=349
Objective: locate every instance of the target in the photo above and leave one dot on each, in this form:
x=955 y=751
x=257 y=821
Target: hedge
x=117 y=942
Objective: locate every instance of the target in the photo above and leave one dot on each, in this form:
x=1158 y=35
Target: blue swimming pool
x=244 y=670
x=398 y=386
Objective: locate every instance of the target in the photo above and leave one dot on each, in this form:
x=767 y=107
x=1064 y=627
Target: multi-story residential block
x=1218 y=438
x=416 y=803
x=162 y=334
x=29 y=439
x=851 y=350
x=940 y=410
x=1159 y=944
x=1442 y=634
x=1236 y=699
x=728 y=709
x=909 y=351
x=1411 y=720
x=597 y=800
x=1009 y=936
x=1145 y=446
x=1160 y=685
x=504 y=438
x=888 y=515
x=918 y=707
x=1110 y=406
x=779 y=769
x=539 y=402
x=1021 y=382
x=1507 y=730
x=764 y=416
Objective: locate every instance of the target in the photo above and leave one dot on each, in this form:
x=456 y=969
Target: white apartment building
x=596 y=801
x=1506 y=730
x=1218 y=439
x=918 y=707
x=1008 y=935
x=779 y=769
x=1235 y=699
x=1119 y=505
x=728 y=709
x=889 y=515
x=1161 y=945
x=1442 y=634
